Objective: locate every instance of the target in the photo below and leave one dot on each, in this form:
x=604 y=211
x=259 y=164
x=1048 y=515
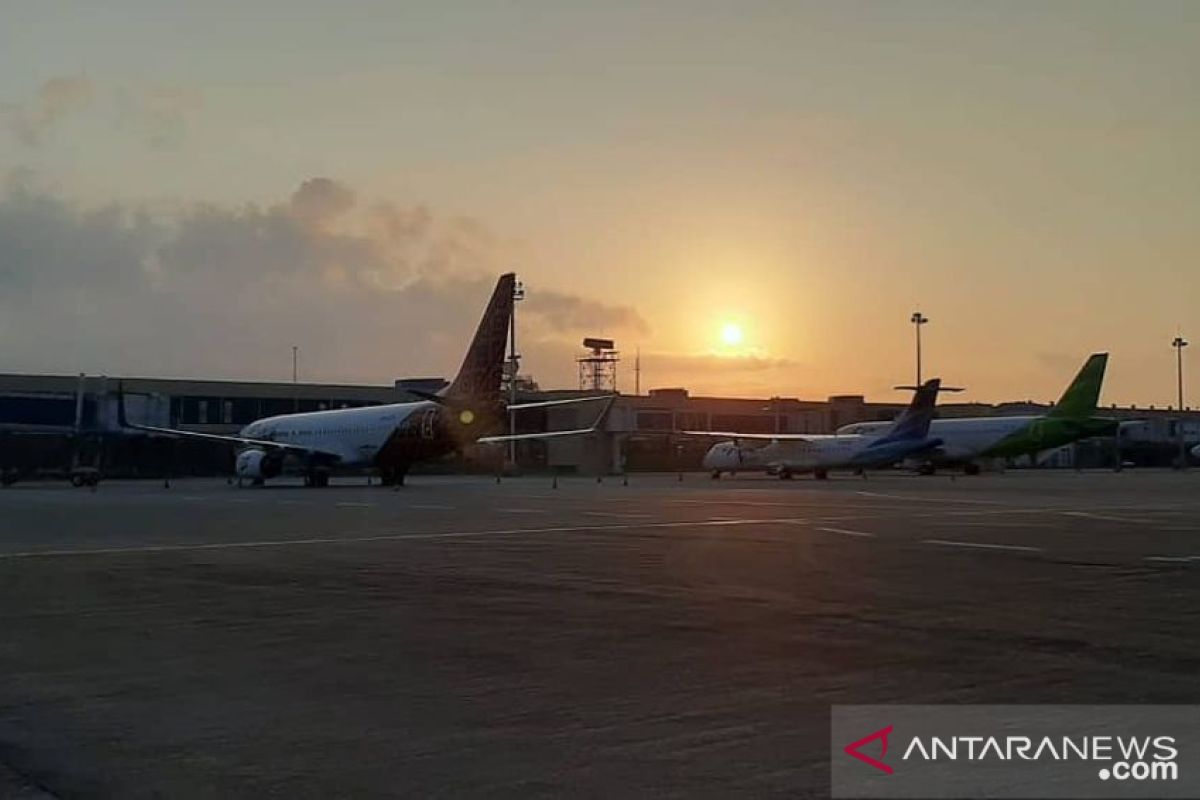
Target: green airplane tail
x=1081 y=397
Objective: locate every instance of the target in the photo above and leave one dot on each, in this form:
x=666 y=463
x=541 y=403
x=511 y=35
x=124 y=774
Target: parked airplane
x=392 y=437
x=967 y=440
x=787 y=454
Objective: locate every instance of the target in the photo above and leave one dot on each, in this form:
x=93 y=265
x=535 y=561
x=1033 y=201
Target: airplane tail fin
x=478 y=380
x=1081 y=397
x=913 y=423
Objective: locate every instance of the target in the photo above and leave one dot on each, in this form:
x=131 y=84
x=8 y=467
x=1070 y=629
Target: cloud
x=367 y=292
x=32 y=121
x=1059 y=363
x=158 y=115
x=568 y=313
x=719 y=374
x=320 y=200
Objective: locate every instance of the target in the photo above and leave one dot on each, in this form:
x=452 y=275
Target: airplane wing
x=240 y=441
x=442 y=401
x=520 y=437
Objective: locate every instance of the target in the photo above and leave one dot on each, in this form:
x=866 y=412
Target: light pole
x=918 y=319
x=514 y=361
x=1179 y=343
x=776 y=408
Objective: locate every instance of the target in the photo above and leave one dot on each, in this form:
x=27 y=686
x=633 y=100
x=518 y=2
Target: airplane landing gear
x=317 y=480
x=820 y=473
x=85 y=477
x=785 y=474
x=716 y=474
x=392 y=476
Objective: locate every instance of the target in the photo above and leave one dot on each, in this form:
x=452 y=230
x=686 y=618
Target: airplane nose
x=720 y=456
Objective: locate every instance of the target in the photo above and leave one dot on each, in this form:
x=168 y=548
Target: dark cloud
x=320 y=200
x=568 y=313
x=32 y=120
x=214 y=291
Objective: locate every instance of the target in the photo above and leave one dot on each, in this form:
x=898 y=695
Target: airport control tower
x=598 y=369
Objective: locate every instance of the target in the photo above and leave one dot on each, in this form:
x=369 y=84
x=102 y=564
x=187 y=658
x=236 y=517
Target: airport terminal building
x=44 y=417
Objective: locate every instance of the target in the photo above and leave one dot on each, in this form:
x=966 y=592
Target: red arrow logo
x=881 y=734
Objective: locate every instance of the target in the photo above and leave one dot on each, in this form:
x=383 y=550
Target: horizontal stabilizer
x=550 y=403
x=521 y=437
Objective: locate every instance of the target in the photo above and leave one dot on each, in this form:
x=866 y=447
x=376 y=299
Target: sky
x=192 y=189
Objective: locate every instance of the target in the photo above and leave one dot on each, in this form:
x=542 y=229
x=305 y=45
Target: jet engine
x=258 y=464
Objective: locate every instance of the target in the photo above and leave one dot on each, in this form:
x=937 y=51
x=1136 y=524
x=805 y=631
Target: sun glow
x=731 y=334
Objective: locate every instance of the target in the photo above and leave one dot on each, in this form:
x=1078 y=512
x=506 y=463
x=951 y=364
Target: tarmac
x=467 y=638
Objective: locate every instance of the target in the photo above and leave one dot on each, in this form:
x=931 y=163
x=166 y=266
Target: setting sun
x=731 y=334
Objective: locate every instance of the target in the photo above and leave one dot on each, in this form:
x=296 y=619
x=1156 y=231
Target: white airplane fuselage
x=356 y=435
x=840 y=451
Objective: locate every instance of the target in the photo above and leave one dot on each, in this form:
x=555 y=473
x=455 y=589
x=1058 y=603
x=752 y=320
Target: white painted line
x=993 y=524
x=387 y=537
x=356 y=505
x=1173 y=559
x=926 y=499
x=845 y=517
x=1104 y=517
x=431 y=507
x=991 y=512
x=617 y=515
x=982 y=545
x=846 y=532
x=799 y=503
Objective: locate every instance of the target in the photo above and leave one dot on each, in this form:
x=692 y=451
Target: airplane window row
x=328 y=431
